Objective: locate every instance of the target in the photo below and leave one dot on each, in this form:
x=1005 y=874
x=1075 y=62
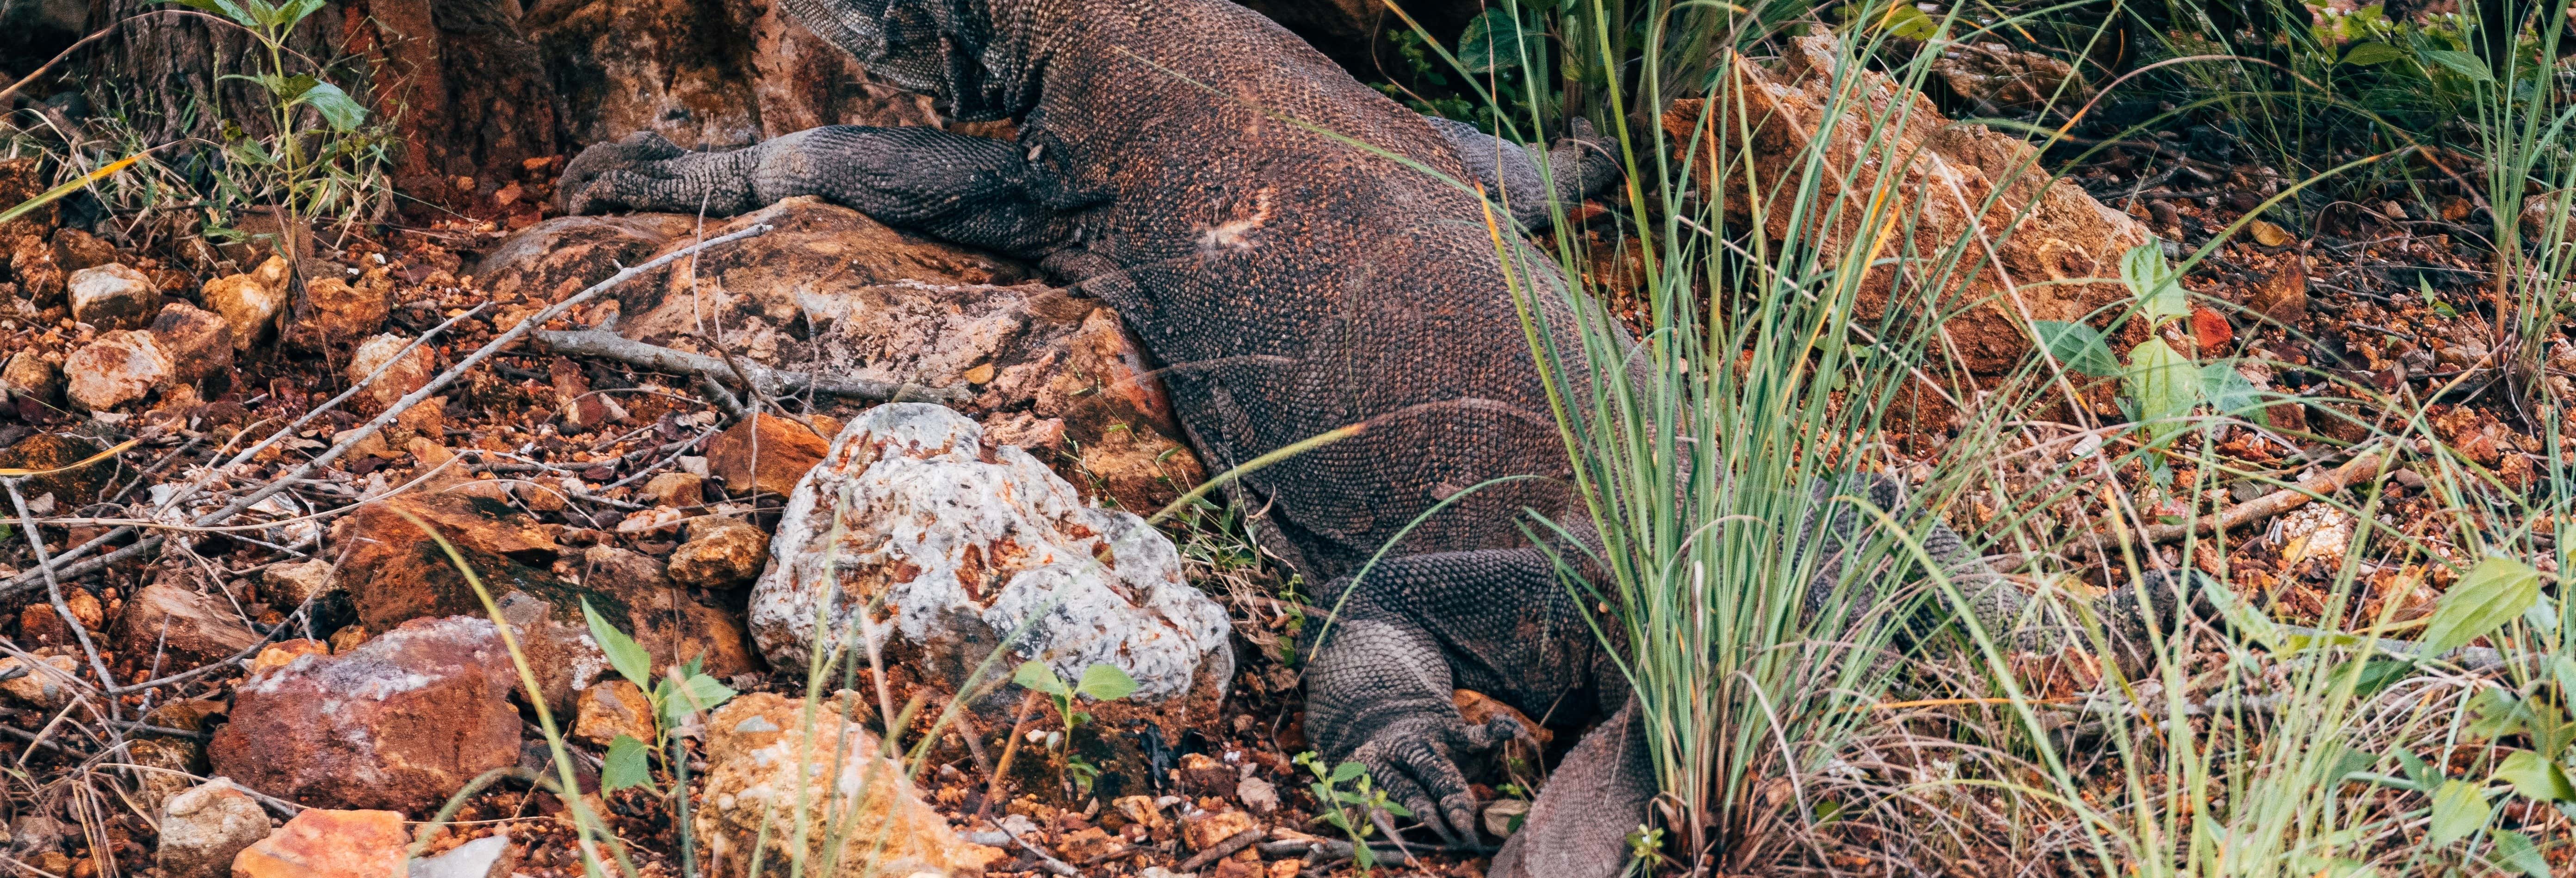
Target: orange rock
x=758 y=746
x=768 y=454
x=285 y=652
x=1214 y=827
x=610 y=709
x=328 y=844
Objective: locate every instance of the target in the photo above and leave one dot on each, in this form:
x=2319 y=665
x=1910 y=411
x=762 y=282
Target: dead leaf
x=2270 y=235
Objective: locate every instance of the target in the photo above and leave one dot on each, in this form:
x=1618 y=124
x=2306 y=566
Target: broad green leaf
x=2564 y=668
x=1035 y=674
x=291 y=87
x=1106 y=683
x=2160 y=297
x=1898 y=19
x=1395 y=809
x=2165 y=385
x=225 y=8
x=2459 y=62
x=2536 y=777
x=2078 y=347
x=1347 y=771
x=2542 y=616
x=2492 y=593
x=2459 y=808
x=2495 y=713
x=625 y=765
x=2228 y=391
x=2373 y=54
x=697 y=693
x=1493 y=41
x=2514 y=850
x=630 y=659
x=336 y=106
x=2423 y=775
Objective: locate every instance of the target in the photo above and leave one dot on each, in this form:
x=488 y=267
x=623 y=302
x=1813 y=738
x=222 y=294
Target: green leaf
x=2424 y=777
x=291 y=87
x=2459 y=808
x=1395 y=809
x=343 y=112
x=2373 y=54
x=2495 y=713
x=2078 y=347
x=698 y=693
x=2492 y=593
x=2459 y=62
x=1106 y=683
x=2228 y=391
x=630 y=660
x=2160 y=296
x=2536 y=777
x=1347 y=772
x=2165 y=385
x=1493 y=41
x=225 y=8
x=1034 y=674
x=2515 y=850
x=625 y=765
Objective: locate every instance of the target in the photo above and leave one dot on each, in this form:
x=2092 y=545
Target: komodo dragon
x=1171 y=162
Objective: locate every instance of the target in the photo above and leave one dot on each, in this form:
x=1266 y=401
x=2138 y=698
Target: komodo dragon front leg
x=971 y=190
x=978 y=191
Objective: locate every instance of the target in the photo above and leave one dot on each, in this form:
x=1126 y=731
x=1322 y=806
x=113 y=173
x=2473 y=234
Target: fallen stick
x=2361 y=466
x=32 y=578
x=1222 y=849
x=611 y=346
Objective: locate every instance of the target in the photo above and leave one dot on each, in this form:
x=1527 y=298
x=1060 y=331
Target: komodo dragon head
x=951 y=50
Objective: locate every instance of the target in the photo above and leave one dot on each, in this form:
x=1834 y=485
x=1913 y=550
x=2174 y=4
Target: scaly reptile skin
x=1292 y=284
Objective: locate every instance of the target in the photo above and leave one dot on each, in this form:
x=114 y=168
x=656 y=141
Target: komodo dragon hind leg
x=1579 y=826
x=971 y=190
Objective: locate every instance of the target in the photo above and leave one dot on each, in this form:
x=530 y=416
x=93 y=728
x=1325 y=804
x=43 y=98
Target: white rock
x=118 y=368
x=113 y=296
x=204 y=827
x=486 y=857
x=967 y=544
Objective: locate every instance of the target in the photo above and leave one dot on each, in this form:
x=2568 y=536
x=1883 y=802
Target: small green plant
x=1349 y=809
x=302 y=169
x=1099 y=683
x=686 y=690
x=2159 y=385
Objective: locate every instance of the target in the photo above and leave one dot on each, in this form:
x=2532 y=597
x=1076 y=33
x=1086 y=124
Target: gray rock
x=204 y=827
x=967 y=544
x=113 y=296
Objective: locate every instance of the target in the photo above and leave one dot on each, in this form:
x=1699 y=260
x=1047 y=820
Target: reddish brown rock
x=343 y=311
x=765 y=454
x=75 y=250
x=399 y=723
x=1962 y=183
x=33 y=268
x=721 y=553
x=285 y=652
x=186 y=627
x=704 y=73
x=322 y=843
x=198 y=342
x=32 y=374
x=559 y=257
x=117 y=368
x=395 y=574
